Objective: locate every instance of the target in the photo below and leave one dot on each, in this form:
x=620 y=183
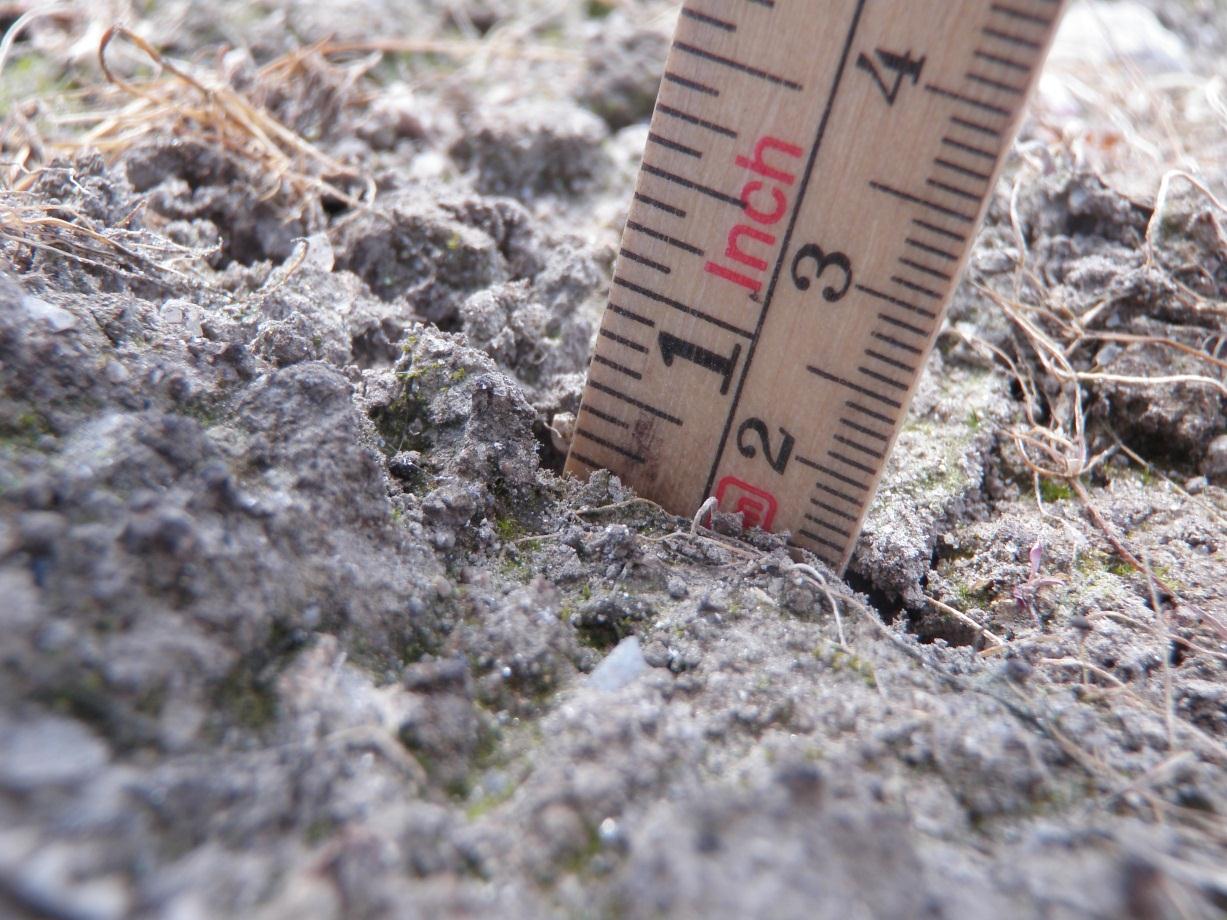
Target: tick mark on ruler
x=966 y=100
x=961 y=170
x=932 y=250
x=821 y=541
x=1003 y=61
x=831 y=509
x=652 y=170
x=863 y=430
x=614 y=365
x=923 y=202
x=896 y=301
x=695 y=120
x=835 y=474
x=829 y=490
x=687 y=83
x=831 y=527
x=869 y=413
x=995 y=84
x=644 y=260
x=706 y=55
x=1015 y=13
x=659 y=205
x=970 y=148
x=974 y=126
x=892 y=362
x=924 y=269
x=631 y=401
x=576 y=455
x=855 y=387
x=678 y=305
x=654 y=138
x=900 y=324
x=604 y=416
x=708 y=20
x=630 y=314
x=664 y=238
x=941 y=231
x=856 y=445
x=953 y=190
x=1011 y=39
x=854 y=464
x=918 y=288
x=895 y=343
x=609 y=445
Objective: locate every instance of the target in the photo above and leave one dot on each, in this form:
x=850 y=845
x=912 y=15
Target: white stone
x=620 y=668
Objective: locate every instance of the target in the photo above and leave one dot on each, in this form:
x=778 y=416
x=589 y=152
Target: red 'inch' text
x=764 y=201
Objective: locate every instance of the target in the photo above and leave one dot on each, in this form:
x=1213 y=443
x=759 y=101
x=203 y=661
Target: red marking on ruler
x=757 y=506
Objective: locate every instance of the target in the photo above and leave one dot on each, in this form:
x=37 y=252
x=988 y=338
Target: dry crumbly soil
x=299 y=619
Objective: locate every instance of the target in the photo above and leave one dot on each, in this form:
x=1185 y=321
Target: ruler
x=814 y=177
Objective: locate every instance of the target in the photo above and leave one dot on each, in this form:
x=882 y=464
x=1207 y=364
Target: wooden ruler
x=813 y=181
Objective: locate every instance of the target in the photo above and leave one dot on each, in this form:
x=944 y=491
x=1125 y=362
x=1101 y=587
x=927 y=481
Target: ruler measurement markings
x=615 y=366
x=856 y=445
x=608 y=445
x=895 y=301
x=645 y=261
x=830 y=490
x=869 y=413
x=918 y=288
x=863 y=430
x=895 y=343
x=931 y=250
x=853 y=464
x=687 y=83
x=978 y=127
x=925 y=269
x=966 y=100
x=670 y=144
x=883 y=378
x=680 y=115
x=603 y=416
x=792 y=221
x=613 y=391
x=891 y=362
x=976 y=82
x=653 y=170
x=1011 y=39
x=679 y=306
x=827 y=525
x=1015 y=13
x=664 y=238
x=924 y=202
x=995 y=84
x=969 y=148
x=630 y=314
x=953 y=190
x=574 y=454
x=831 y=509
x=707 y=20
x=660 y=205
x=1003 y=61
x=749 y=70
x=961 y=170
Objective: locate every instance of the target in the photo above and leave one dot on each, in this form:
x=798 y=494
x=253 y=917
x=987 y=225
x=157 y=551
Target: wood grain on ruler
x=812 y=183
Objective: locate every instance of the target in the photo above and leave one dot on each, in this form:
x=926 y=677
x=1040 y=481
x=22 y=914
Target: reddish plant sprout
x=1026 y=594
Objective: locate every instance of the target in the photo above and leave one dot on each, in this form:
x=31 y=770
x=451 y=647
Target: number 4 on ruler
x=904 y=66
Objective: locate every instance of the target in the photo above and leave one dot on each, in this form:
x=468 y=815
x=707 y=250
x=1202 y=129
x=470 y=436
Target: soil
x=301 y=619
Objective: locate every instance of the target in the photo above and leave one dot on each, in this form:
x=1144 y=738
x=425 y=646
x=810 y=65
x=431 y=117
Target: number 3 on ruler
x=811 y=252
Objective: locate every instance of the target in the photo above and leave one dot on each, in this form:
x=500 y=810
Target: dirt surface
x=299 y=619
